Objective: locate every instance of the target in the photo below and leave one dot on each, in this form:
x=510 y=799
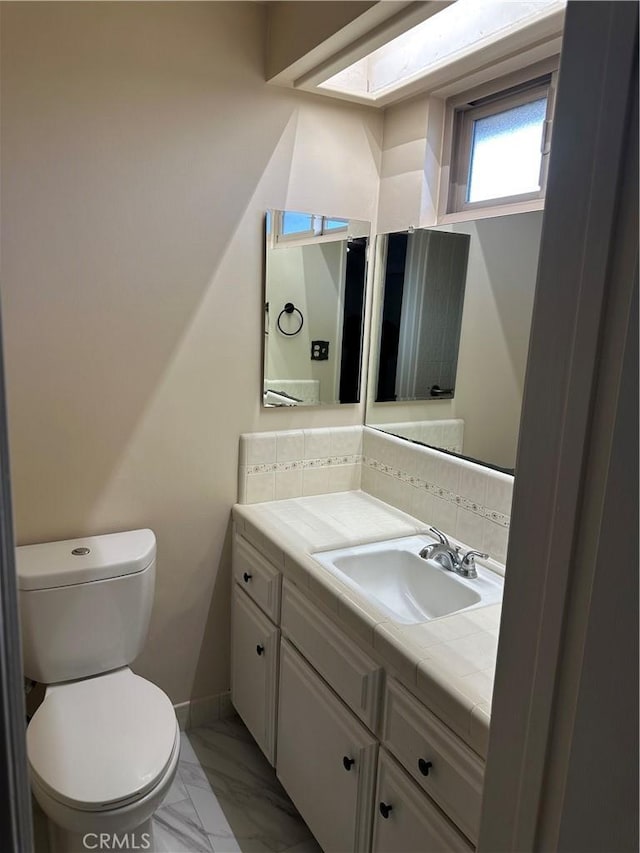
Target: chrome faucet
x=442 y=551
x=450 y=557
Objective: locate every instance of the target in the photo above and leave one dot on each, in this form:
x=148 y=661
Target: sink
x=407 y=587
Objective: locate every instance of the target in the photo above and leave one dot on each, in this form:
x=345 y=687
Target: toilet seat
x=102 y=743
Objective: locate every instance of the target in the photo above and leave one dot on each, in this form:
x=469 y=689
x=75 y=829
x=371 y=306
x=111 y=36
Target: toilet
x=103 y=746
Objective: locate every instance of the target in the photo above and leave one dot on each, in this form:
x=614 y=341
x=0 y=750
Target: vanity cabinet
x=254 y=670
x=405 y=820
x=326 y=757
x=369 y=766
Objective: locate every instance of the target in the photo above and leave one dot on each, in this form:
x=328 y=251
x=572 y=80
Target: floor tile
x=193 y=775
x=186 y=750
x=176 y=793
x=210 y=812
x=177 y=829
x=244 y=802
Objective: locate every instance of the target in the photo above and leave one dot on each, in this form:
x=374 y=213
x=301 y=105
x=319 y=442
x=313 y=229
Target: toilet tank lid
x=92 y=558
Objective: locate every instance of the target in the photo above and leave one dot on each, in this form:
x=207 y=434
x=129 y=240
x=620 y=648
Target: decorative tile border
x=439 y=492
x=303 y=464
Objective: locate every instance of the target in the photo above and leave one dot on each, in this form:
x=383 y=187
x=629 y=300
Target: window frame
x=505 y=93
x=317 y=234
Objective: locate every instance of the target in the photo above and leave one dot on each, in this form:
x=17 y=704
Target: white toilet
x=103 y=746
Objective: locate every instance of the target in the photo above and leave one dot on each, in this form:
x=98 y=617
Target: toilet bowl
x=103 y=753
x=103 y=746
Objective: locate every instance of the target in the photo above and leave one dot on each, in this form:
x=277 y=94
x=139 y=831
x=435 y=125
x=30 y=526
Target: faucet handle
x=469 y=557
x=440 y=535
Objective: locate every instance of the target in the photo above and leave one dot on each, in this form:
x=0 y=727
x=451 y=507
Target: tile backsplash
x=465 y=500
x=296 y=463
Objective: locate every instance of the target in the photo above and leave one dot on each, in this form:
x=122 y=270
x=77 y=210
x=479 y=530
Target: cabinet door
x=326 y=757
x=406 y=819
x=254 y=670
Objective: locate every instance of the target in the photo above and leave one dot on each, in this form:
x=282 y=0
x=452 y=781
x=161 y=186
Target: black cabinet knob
x=247 y=577
x=424 y=766
x=259 y=649
x=348 y=762
x=385 y=810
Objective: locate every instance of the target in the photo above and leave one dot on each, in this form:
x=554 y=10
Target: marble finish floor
x=225 y=799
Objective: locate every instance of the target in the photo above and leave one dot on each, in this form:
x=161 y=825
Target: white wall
x=140 y=149
x=410 y=167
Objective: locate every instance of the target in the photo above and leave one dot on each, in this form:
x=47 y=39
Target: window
x=501 y=146
x=291 y=226
x=333 y=225
x=297 y=224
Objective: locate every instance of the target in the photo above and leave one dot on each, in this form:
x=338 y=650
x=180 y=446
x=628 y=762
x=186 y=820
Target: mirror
x=315 y=273
x=423 y=293
x=480 y=351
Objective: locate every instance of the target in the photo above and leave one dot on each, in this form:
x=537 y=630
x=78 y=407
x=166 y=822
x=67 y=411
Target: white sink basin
x=407 y=587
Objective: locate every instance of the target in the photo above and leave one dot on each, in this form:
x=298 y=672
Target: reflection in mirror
x=424 y=281
x=480 y=418
x=315 y=272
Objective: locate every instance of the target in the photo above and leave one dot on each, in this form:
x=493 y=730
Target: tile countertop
x=448 y=663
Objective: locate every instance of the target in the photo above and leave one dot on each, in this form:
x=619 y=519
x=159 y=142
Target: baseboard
x=204 y=711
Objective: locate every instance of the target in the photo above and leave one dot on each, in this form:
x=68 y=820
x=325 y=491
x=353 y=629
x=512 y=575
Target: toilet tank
x=85 y=604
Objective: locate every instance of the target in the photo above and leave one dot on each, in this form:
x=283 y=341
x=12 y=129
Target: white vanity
x=377 y=726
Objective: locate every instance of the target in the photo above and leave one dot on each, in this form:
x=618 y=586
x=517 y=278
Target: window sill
x=487 y=212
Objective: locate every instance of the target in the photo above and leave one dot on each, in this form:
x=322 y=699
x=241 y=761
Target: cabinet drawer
x=353 y=675
x=406 y=820
x=255 y=647
x=259 y=579
x=326 y=758
x=435 y=757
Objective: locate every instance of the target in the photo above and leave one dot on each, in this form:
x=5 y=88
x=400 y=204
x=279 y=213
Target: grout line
x=305 y=464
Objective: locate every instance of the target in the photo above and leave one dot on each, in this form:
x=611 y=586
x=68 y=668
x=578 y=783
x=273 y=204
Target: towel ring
x=289 y=308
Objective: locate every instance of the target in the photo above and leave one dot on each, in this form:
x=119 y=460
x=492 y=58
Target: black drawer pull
x=424 y=766
x=385 y=810
x=259 y=649
x=247 y=577
x=348 y=762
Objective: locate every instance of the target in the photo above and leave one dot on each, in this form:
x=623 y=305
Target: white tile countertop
x=448 y=663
